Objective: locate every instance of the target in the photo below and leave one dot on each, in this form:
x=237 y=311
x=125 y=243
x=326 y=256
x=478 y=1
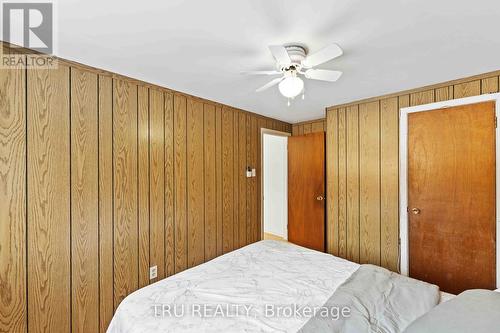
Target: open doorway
x=274 y=185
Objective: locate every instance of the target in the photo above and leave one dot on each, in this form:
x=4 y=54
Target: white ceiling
x=200 y=47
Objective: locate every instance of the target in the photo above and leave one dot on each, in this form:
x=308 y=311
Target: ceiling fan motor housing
x=297 y=53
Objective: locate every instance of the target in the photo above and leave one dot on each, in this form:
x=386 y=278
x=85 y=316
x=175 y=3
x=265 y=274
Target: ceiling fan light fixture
x=291 y=86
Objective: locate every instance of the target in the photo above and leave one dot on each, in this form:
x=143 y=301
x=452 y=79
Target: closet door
x=451 y=196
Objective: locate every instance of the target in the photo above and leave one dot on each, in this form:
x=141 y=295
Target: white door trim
x=403 y=176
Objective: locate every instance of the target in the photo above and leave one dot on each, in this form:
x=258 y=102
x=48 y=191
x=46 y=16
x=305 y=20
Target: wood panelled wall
x=102 y=177
x=313 y=126
x=363 y=169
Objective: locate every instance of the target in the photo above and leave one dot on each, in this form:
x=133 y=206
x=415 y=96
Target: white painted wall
x=275 y=185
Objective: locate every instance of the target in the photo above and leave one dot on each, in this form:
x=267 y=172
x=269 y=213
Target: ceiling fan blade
x=261 y=73
x=280 y=54
x=323 y=75
x=270 y=84
x=326 y=54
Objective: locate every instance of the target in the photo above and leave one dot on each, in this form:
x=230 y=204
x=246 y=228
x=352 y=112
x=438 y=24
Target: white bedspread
x=267 y=272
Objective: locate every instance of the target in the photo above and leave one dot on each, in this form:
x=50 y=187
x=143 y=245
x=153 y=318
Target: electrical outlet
x=153 y=272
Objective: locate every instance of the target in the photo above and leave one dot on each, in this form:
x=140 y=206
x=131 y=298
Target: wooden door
x=306 y=190
x=451 y=196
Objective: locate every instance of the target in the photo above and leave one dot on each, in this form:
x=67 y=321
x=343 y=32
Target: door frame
x=271 y=132
x=403 y=174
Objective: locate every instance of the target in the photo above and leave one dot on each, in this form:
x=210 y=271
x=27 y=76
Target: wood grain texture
x=13 y=316
x=210 y=182
x=443 y=181
x=307 y=128
x=125 y=159
x=143 y=189
x=352 y=174
x=332 y=184
x=104 y=190
x=169 y=184
x=489 y=85
x=195 y=183
x=242 y=166
x=218 y=180
x=318 y=126
x=227 y=180
x=236 y=181
x=388 y=236
x=369 y=183
x=404 y=101
x=306 y=175
x=84 y=203
x=180 y=182
x=423 y=97
x=389 y=186
x=342 y=184
x=157 y=182
x=466 y=89
x=252 y=195
x=106 y=288
x=443 y=94
x=49 y=303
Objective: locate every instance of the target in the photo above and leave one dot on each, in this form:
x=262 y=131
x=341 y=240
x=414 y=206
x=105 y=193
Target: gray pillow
x=473 y=311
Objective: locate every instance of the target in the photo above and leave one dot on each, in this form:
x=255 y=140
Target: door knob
x=415 y=211
x=320 y=198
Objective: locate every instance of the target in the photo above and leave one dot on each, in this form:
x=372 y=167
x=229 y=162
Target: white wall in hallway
x=275 y=185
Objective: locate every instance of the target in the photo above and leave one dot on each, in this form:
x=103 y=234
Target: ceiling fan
x=292 y=61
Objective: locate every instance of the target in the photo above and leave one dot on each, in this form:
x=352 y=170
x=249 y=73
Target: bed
x=244 y=291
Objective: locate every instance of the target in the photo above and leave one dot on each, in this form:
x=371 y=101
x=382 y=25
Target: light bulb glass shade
x=291 y=86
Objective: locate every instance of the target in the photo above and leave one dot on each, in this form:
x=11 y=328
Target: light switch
x=254 y=173
x=153 y=272
x=249 y=172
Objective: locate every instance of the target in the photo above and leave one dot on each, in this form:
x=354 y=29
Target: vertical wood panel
x=180 y=191
x=49 y=200
x=307 y=128
x=423 y=97
x=317 y=127
x=242 y=133
x=295 y=130
x=195 y=183
x=157 y=181
x=467 y=89
x=389 y=187
x=332 y=185
x=443 y=94
x=125 y=189
x=227 y=180
x=210 y=183
x=218 y=174
x=489 y=85
x=13 y=200
x=352 y=196
x=84 y=202
x=169 y=185
x=369 y=183
x=143 y=189
x=236 y=182
x=342 y=186
x=252 y=229
x=106 y=295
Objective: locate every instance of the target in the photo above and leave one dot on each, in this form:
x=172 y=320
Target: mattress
x=251 y=289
